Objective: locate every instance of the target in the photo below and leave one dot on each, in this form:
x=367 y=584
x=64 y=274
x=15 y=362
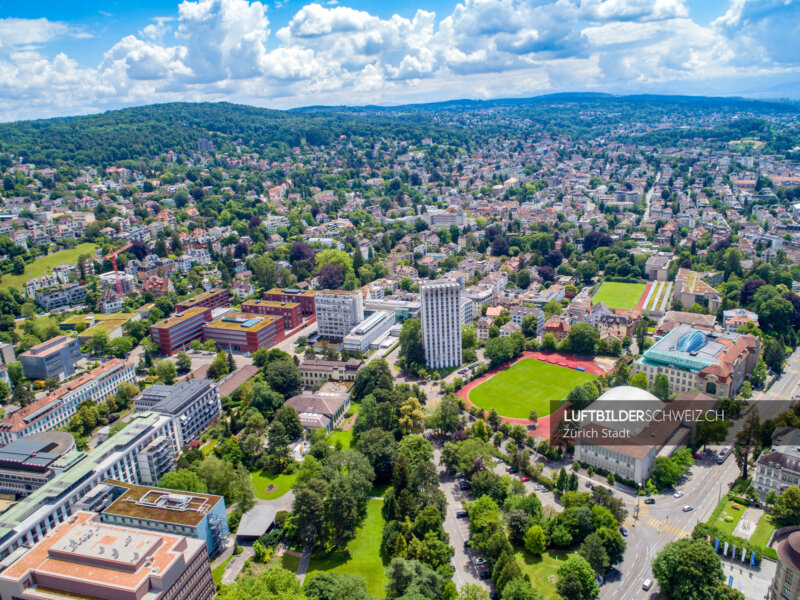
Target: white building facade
x=441 y=323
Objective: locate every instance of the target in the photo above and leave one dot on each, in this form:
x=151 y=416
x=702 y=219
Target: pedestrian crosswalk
x=664 y=526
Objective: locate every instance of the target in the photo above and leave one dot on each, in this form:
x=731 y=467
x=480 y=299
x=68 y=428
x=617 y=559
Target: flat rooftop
x=172 y=399
x=85 y=550
x=271 y=303
x=201 y=297
x=159 y=504
x=243 y=322
x=180 y=317
x=292 y=292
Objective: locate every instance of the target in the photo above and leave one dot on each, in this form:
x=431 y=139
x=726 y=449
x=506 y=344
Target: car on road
x=512 y=470
x=480 y=561
x=525 y=478
x=648 y=583
x=623 y=531
x=484 y=574
x=688 y=508
x=461 y=514
x=697 y=456
x=678 y=495
x=650 y=501
x=538 y=487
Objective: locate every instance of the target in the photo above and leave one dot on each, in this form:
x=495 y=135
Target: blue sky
x=59 y=58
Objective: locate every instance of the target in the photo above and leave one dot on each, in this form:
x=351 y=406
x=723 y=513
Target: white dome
x=626 y=393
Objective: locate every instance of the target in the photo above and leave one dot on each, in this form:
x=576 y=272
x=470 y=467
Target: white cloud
x=329 y=53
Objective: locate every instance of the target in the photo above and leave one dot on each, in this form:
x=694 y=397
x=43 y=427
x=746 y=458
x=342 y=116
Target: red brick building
x=177 y=332
x=245 y=332
x=305 y=298
x=290 y=311
x=212 y=299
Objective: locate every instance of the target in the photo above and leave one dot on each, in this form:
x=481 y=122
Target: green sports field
x=527 y=385
x=619 y=295
x=44 y=265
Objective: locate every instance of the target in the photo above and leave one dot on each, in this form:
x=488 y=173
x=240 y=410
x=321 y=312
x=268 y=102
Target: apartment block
x=441 y=323
x=212 y=299
x=290 y=311
x=53 y=358
x=63 y=295
x=338 y=312
x=193 y=403
x=56 y=409
x=178 y=331
x=305 y=298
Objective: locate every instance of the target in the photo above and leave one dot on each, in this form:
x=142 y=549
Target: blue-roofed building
x=708 y=361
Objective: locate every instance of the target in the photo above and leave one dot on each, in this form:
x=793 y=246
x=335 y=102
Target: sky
x=65 y=58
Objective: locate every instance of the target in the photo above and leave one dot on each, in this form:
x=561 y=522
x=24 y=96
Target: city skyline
x=65 y=60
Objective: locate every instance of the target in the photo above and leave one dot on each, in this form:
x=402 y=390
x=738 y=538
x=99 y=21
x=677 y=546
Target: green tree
x=218 y=367
x=582 y=338
x=283 y=376
x=412 y=351
x=335 y=586
x=759 y=373
x=499 y=350
x=593 y=550
x=183 y=479
x=786 y=509
x=576 y=580
x=273 y=584
x=689 y=568
x=535 y=540
x=640 y=380
x=622 y=373
x=661 y=387
x=165 y=371
x=774 y=355
x=183 y=362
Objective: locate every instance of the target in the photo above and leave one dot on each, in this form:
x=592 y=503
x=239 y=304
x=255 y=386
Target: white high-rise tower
x=441 y=323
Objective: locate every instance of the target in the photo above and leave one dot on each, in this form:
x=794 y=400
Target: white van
x=648 y=583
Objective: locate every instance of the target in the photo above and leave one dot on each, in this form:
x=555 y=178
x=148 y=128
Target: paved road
x=302 y=568
x=705 y=484
x=457 y=529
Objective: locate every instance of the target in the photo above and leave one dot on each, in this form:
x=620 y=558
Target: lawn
x=619 y=295
x=44 y=265
x=363 y=553
x=763 y=531
x=218 y=571
x=729 y=516
x=345 y=437
x=261 y=481
x=527 y=385
x=541 y=570
x=290 y=562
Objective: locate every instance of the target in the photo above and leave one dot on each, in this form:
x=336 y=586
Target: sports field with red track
x=531 y=382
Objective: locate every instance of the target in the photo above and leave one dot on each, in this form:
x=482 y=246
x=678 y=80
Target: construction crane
x=113 y=257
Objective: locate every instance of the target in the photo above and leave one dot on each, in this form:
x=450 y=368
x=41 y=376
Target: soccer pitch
x=619 y=295
x=527 y=385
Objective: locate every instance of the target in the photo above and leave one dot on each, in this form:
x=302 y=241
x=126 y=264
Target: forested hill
x=147 y=131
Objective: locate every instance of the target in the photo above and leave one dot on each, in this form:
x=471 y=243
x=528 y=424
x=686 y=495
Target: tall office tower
x=441 y=323
x=338 y=312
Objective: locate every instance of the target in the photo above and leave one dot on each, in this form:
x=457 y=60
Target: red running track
x=643 y=297
x=543 y=424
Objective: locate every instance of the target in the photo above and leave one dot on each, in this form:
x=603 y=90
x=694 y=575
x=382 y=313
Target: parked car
x=650 y=501
x=480 y=561
x=648 y=583
x=525 y=478
x=512 y=470
x=678 y=494
x=466 y=545
x=484 y=574
x=688 y=508
x=463 y=484
x=623 y=531
x=697 y=456
x=461 y=514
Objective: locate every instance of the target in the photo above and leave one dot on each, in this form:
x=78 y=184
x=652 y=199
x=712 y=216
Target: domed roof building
x=786 y=583
x=627 y=428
